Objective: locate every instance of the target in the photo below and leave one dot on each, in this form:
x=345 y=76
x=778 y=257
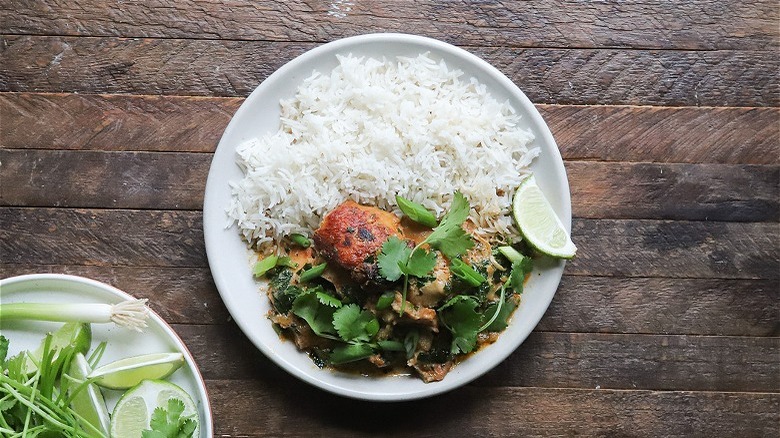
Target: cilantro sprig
x=397 y=260
x=169 y=423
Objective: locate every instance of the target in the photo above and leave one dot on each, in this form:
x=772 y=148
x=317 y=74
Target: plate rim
x=432 y=44
x=116 y=292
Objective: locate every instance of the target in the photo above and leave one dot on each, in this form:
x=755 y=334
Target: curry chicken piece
x=351 y=236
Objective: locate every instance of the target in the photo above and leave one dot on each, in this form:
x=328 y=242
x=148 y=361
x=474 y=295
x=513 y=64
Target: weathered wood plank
x=581 y=305
x=666 y=306
x=689 y=135
x=235 y=68
x=625 y=248
x=114 y=122
x=559 y=360
x=195 y=124
x=699 y=24
x=473 y=411
x=151 y=180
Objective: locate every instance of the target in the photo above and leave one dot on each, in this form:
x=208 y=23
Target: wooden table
x=666 y=114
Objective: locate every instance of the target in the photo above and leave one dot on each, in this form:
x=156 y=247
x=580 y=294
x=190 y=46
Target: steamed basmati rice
x=373 y=129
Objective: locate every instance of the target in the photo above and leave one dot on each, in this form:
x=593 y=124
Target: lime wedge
x=88 y=402
x=133 y=411
x=77 y=334
x=128 y=372
x=538 y=222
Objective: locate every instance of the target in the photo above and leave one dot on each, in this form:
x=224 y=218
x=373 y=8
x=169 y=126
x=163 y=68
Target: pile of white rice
x=373 y=129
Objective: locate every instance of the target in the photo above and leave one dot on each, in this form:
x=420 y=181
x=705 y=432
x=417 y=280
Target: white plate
x=227 y=253
x=158 y=337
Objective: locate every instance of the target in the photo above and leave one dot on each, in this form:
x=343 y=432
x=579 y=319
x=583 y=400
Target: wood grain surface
x=667 y=116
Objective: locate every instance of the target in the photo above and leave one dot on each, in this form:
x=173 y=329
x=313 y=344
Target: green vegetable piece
x=327 y=299
x=352 y=324
x=312 y=273
x=300 y=240
x=3 y=350
x=350 y=353
x=395 y=252
x=520 y=268
x=510 y=253
x=501 y=321
x=410 y=343
x=265 y=265
x=318 y=316
x=460 y=316
x=389 y=345
x=420 y=263
x=385 y=300
x=465 y=272
x=169 y=423
x=286 y=261
x=416 y=212
x=449 y=237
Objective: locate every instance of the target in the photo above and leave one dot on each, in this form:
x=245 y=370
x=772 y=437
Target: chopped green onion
x=314 y=272
x=350 y=353
x=510 y=253
x=286 y=261
x=416 y=212
x=300 y=240
x=465 y=272
x=130 y=314
x=265 y=265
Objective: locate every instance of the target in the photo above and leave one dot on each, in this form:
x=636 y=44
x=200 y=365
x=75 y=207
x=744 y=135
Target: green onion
x=416 y=212
x=465 y=272
x=300 y=240
x=510 y=253
x=391 y=345
x=130 y=314
x=311 y=274
x=265 y=265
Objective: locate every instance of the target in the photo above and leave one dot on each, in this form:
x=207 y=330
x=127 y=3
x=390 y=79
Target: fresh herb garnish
x=319 y=316
x=354 y=325
x=350 y=353
x=170 y=423
x=385 y=300
x=396 y=260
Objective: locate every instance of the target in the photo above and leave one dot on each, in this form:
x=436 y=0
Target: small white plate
x=227 y=253
x=158 y=337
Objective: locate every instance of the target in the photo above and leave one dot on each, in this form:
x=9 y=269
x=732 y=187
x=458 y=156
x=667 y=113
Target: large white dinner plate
x=158 y=337
x=228 y=254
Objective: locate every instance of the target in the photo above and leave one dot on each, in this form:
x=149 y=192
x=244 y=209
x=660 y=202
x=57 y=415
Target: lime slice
x=128 y=372
x=538 y=222
x=88 y=402
x=133 y=411
x=77 y=334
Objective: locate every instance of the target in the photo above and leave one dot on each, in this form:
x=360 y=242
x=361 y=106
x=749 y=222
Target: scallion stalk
x=131 y=314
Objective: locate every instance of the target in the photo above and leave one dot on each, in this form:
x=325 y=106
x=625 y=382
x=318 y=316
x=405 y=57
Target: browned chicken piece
x=352 y=235
x=424 y=316
x=430 y=293
x=432 y=372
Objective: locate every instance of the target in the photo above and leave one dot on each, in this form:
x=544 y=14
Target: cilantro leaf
x=327 y=300
x=169 y=423
x=352 y=324
x=502 y=320
x=394 y=251
x=350 y=353
x=421 y=263
x=318 y=316
x=460 y=316
x=449 y=237
x=520 y=268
